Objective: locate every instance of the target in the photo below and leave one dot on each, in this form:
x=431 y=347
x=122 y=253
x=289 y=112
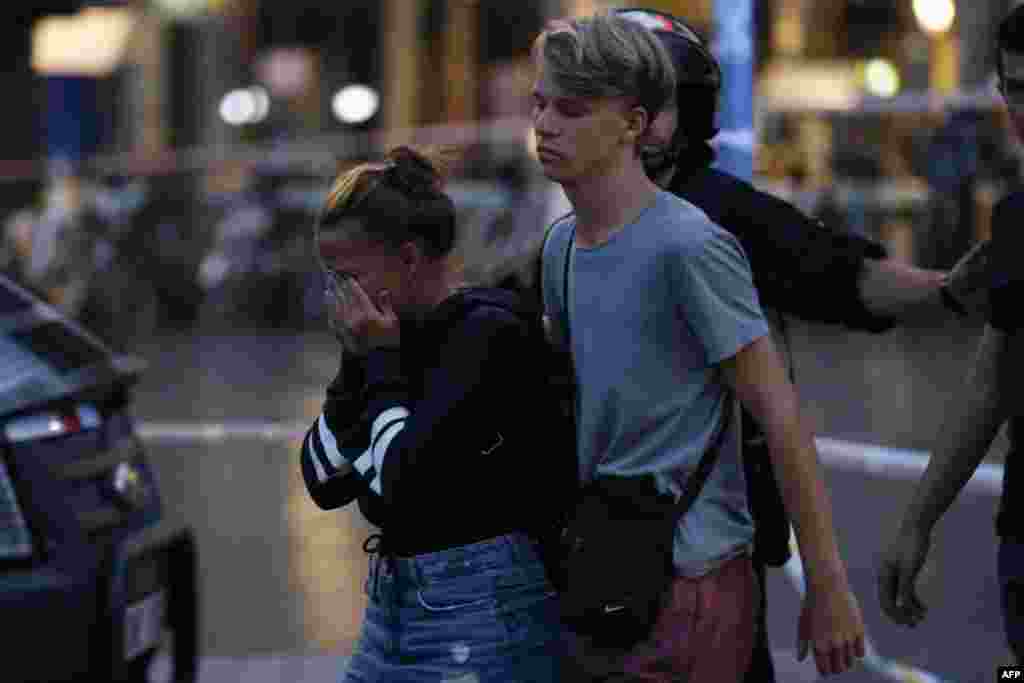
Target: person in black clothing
x=994 y=395
x=800 y=266
x=437 y=426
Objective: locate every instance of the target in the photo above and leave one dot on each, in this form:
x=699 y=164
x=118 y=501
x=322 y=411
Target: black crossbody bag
x=616 y=560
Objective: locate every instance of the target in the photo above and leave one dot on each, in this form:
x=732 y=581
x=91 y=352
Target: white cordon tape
x=177 y=432
x=891 y=463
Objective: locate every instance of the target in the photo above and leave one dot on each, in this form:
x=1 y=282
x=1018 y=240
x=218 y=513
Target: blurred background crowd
x=162 y=160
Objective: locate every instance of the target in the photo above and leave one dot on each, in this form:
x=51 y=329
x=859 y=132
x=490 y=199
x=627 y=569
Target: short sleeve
x=716 y=296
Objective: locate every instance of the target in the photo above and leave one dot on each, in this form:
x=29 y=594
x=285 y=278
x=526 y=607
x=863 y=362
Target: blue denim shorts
x=1011 y=584
x=479 y=613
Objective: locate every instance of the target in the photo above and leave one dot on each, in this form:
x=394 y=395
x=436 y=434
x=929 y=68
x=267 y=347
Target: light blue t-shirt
x=652 y=313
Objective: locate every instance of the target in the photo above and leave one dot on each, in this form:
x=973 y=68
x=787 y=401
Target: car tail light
x=49 y=425
x=15 y=538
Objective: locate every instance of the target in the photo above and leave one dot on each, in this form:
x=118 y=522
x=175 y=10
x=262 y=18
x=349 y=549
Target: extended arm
x=831 y=618
x=810 y=270
x=758 y=377
x=967 y=434
x=889 y=288
x=964 y=439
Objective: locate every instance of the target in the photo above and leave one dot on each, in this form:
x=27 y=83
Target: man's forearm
x=798 y=473
x=962 y=448
x=893 y=289
x=965 y=437
x=760 y=382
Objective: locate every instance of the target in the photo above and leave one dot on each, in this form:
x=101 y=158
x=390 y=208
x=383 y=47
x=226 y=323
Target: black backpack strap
x=695 y=483
x=700 y=475
x=563 y=317
x=538 y=265
x=565 y=289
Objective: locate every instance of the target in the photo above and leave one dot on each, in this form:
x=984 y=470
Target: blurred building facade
x=210 y=98
x=433 y=61
x=436 y=62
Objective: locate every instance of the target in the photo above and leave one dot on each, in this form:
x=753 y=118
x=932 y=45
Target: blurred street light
x=935 y=16
x=355 y=104
x=183 y=9
x=245 y=106
x=262 y=99
x=90 y=43
x=881 y=78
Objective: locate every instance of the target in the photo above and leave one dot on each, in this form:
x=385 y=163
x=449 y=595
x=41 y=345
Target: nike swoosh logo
x=609 y=609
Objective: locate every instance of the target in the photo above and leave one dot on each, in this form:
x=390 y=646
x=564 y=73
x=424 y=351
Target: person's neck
x=441 y=285
x=605 y=204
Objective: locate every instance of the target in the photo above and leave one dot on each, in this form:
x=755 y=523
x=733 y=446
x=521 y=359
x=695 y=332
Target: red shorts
x=704 y=634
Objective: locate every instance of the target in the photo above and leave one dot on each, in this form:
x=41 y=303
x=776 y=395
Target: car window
x=42 y=363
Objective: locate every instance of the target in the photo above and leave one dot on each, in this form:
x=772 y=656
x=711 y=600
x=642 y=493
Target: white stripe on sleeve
x=363 y=462
x=329 y=442
x=310 y=453
x=387 y=425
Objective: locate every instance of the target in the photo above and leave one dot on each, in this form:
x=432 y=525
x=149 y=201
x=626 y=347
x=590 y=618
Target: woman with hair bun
x=441 y=426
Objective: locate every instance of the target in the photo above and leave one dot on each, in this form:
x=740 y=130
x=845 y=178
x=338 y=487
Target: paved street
x=282 y=579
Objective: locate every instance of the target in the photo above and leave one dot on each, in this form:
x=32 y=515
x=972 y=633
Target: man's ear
x=638 y=121
x=656 y=130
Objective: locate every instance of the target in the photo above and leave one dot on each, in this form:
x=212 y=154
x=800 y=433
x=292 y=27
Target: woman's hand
x=359 y=322
x=341 y=333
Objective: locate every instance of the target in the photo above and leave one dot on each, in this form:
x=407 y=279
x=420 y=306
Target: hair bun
x=414 y=174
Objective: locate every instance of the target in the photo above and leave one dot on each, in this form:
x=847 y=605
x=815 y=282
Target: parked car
x=94 y=584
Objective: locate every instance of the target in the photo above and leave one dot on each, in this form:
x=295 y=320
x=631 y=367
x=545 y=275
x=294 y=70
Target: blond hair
x=397 y=200
x=607 y=56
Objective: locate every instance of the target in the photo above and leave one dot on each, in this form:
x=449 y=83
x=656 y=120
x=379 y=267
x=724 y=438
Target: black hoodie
x=456 y=437
x=800 y=266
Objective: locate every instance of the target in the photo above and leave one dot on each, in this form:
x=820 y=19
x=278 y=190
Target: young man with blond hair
x=665 y=329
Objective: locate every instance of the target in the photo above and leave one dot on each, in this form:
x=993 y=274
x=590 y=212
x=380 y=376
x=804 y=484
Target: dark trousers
x=762 y=669
x=1011 y=583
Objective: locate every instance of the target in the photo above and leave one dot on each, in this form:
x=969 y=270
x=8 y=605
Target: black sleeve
x=447 y=419
x=338 y=433
x=804 y=268
x=1007 y=286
